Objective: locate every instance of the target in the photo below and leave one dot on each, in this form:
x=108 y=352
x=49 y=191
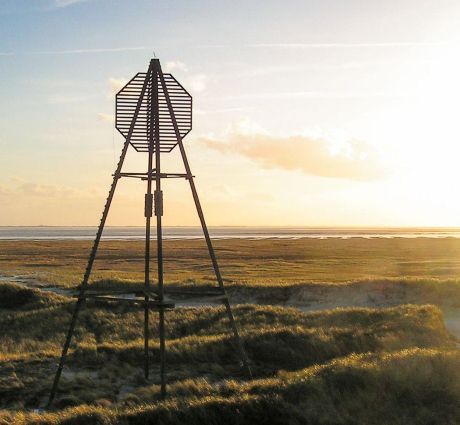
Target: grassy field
x=255 y=262
x=352 y=365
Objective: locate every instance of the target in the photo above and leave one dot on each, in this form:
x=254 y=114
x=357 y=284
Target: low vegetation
x=252 y=262
x=407 y=387
x=395 y=364
x=342 y=366
x=17 y=297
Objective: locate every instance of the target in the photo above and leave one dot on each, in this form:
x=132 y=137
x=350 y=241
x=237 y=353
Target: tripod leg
x=83 y=286
x=84 y=283
x=92 y=256
x=212 y=254
x=159 y=214
x=148 y=215
x=215 y=265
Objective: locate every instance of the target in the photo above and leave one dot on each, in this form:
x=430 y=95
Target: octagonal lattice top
x=154 y=117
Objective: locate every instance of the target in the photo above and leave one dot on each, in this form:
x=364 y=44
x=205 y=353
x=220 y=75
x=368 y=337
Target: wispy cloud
x=312 y=66
x=76 y=51
x=57 y=98
x=17 y=187
x=345 y=45
x=221 y=110
x=353 y=159
x=65 y=3
x=317 y=95
x=52 y=204
x=177 y=65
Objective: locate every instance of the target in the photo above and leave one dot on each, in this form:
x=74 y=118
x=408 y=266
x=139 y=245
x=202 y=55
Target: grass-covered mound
x=406 y=387
x=14 y=297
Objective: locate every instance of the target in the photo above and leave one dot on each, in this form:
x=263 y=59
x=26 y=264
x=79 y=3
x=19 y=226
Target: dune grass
x=308 y=367
x=414 y=386
x=394 y=365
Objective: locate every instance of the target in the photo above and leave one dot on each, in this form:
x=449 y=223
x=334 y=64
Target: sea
x=220 y=232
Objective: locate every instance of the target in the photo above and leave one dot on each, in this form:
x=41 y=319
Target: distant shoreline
x=224 y=232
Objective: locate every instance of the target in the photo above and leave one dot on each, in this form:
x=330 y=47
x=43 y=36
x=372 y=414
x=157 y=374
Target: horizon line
x=248 y=226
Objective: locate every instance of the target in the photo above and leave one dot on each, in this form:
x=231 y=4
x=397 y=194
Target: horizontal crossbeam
x=115 y=294
x=139 y=301
x=145 y=176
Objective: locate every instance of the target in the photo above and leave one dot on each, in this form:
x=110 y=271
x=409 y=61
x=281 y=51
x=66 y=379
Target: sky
x=306 y=113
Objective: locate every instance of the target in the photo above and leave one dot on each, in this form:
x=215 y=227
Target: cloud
x=346 y=45
x=75 y=51
x=52 y=204
x=4 y=191
x=17 y=189
x=177 y=65
x=172 y=66
x=59 y=99
x=105 y=117
x=318 y=95
x=352 y=159
x=46 y=190
x=221 y=110
x=311 y=66
x=116 y=84
x=196 y=83
x=65 y=3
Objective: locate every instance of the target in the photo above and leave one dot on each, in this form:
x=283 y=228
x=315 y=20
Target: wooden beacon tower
x=154 y=114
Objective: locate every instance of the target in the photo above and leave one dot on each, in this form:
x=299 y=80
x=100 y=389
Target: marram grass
x=412 y=386
x=344 y=366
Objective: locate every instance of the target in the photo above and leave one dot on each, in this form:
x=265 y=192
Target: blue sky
x=306 y=112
